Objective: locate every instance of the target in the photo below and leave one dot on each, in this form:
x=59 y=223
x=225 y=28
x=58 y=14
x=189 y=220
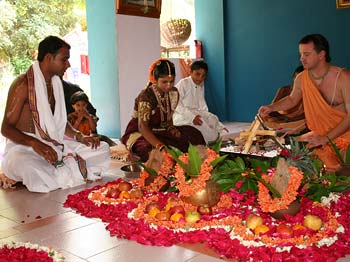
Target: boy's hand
x=197 y=120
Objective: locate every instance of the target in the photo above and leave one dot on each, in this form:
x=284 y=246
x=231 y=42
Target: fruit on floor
x=192 y=217
x=261 y=229
x=313 y=222
x=253 y=221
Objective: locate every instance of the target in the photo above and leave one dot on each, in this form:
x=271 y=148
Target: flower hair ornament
x=151 y=77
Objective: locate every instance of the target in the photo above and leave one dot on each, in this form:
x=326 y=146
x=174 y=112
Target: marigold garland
x=269 y=204
x=198 y=183
x=332 y=238
x=164 y=172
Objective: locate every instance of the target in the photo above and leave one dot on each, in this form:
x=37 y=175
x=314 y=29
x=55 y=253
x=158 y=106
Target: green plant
x=196 y=155
x=327 y=184
x=344 y=159
x=230 y=172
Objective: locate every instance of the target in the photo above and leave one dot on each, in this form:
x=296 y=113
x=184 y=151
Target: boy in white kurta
x=192 y=108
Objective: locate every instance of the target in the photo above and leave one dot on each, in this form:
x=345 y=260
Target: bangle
x=75 y=137
x=160 y=146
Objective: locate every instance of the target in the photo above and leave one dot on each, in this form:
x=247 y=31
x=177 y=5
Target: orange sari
x=321 y=118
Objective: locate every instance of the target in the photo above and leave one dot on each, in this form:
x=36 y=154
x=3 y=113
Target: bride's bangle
x=160 y=146
x=75 y=137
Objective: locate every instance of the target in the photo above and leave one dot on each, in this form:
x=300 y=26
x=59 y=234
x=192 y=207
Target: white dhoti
x=23 y=164
x=211 y=126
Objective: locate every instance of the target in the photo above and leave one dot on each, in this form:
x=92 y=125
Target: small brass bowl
x=131 y=171
x=209 y=196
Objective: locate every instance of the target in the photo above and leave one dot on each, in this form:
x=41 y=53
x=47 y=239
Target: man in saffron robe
x=43 y=151
x=325 y=92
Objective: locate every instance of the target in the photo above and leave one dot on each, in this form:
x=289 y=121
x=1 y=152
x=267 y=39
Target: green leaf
x=174 y=152
x=339 y=188
x=347 y=155
x=336 y=150
x=225 y=187
x=217 y=146
x=218 y=160
x=240 y=163
x=172 y=189
x=149 y=170
x=263 y=165
x=195 y=161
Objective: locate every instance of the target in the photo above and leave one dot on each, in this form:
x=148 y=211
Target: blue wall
x=261 y=47
x=102 y=39
x=210 y=30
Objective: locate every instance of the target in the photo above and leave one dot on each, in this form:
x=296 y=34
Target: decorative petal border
x=20 y=251
x=334 y=239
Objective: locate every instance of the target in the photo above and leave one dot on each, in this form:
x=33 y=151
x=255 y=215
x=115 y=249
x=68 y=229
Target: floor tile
x=134 y=252
x=50 y=231
x=32 y=210
x=6 y=223
x=85 y=241
x=71 y=258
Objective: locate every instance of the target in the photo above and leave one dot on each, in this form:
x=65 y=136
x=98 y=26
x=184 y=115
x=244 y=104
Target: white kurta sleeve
x=183 y=114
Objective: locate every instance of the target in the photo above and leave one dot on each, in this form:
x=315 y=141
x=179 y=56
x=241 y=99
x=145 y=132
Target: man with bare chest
x=43 y=151
x=325 y=92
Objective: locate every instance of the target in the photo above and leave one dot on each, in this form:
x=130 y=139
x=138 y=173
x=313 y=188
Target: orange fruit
x=176 y=217
x=261 y=229
x=167 y=207
x=124 y=194
x=298 y=226
x=153 y=212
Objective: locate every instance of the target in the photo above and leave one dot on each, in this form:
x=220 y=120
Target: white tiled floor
x=42 y=219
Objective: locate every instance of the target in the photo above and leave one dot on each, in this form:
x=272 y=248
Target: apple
x=192 y=216
x=151 y=205
x=284 y=231
x=253 y=221
x=113 y=192
x=124 y=186
x=136 y=193
x=163 y=216
x=205 y=210
x=177 y=209
x=312 y=222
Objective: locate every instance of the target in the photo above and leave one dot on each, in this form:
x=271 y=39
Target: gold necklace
x=164 y=109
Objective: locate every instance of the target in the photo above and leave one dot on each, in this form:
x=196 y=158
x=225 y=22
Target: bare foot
x=6 y=182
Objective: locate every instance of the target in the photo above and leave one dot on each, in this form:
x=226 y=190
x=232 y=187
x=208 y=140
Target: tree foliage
x=24 y=23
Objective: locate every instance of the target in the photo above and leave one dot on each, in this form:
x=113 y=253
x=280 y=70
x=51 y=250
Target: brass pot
x=343 y=170
x=209 y=196
x=292 y=210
